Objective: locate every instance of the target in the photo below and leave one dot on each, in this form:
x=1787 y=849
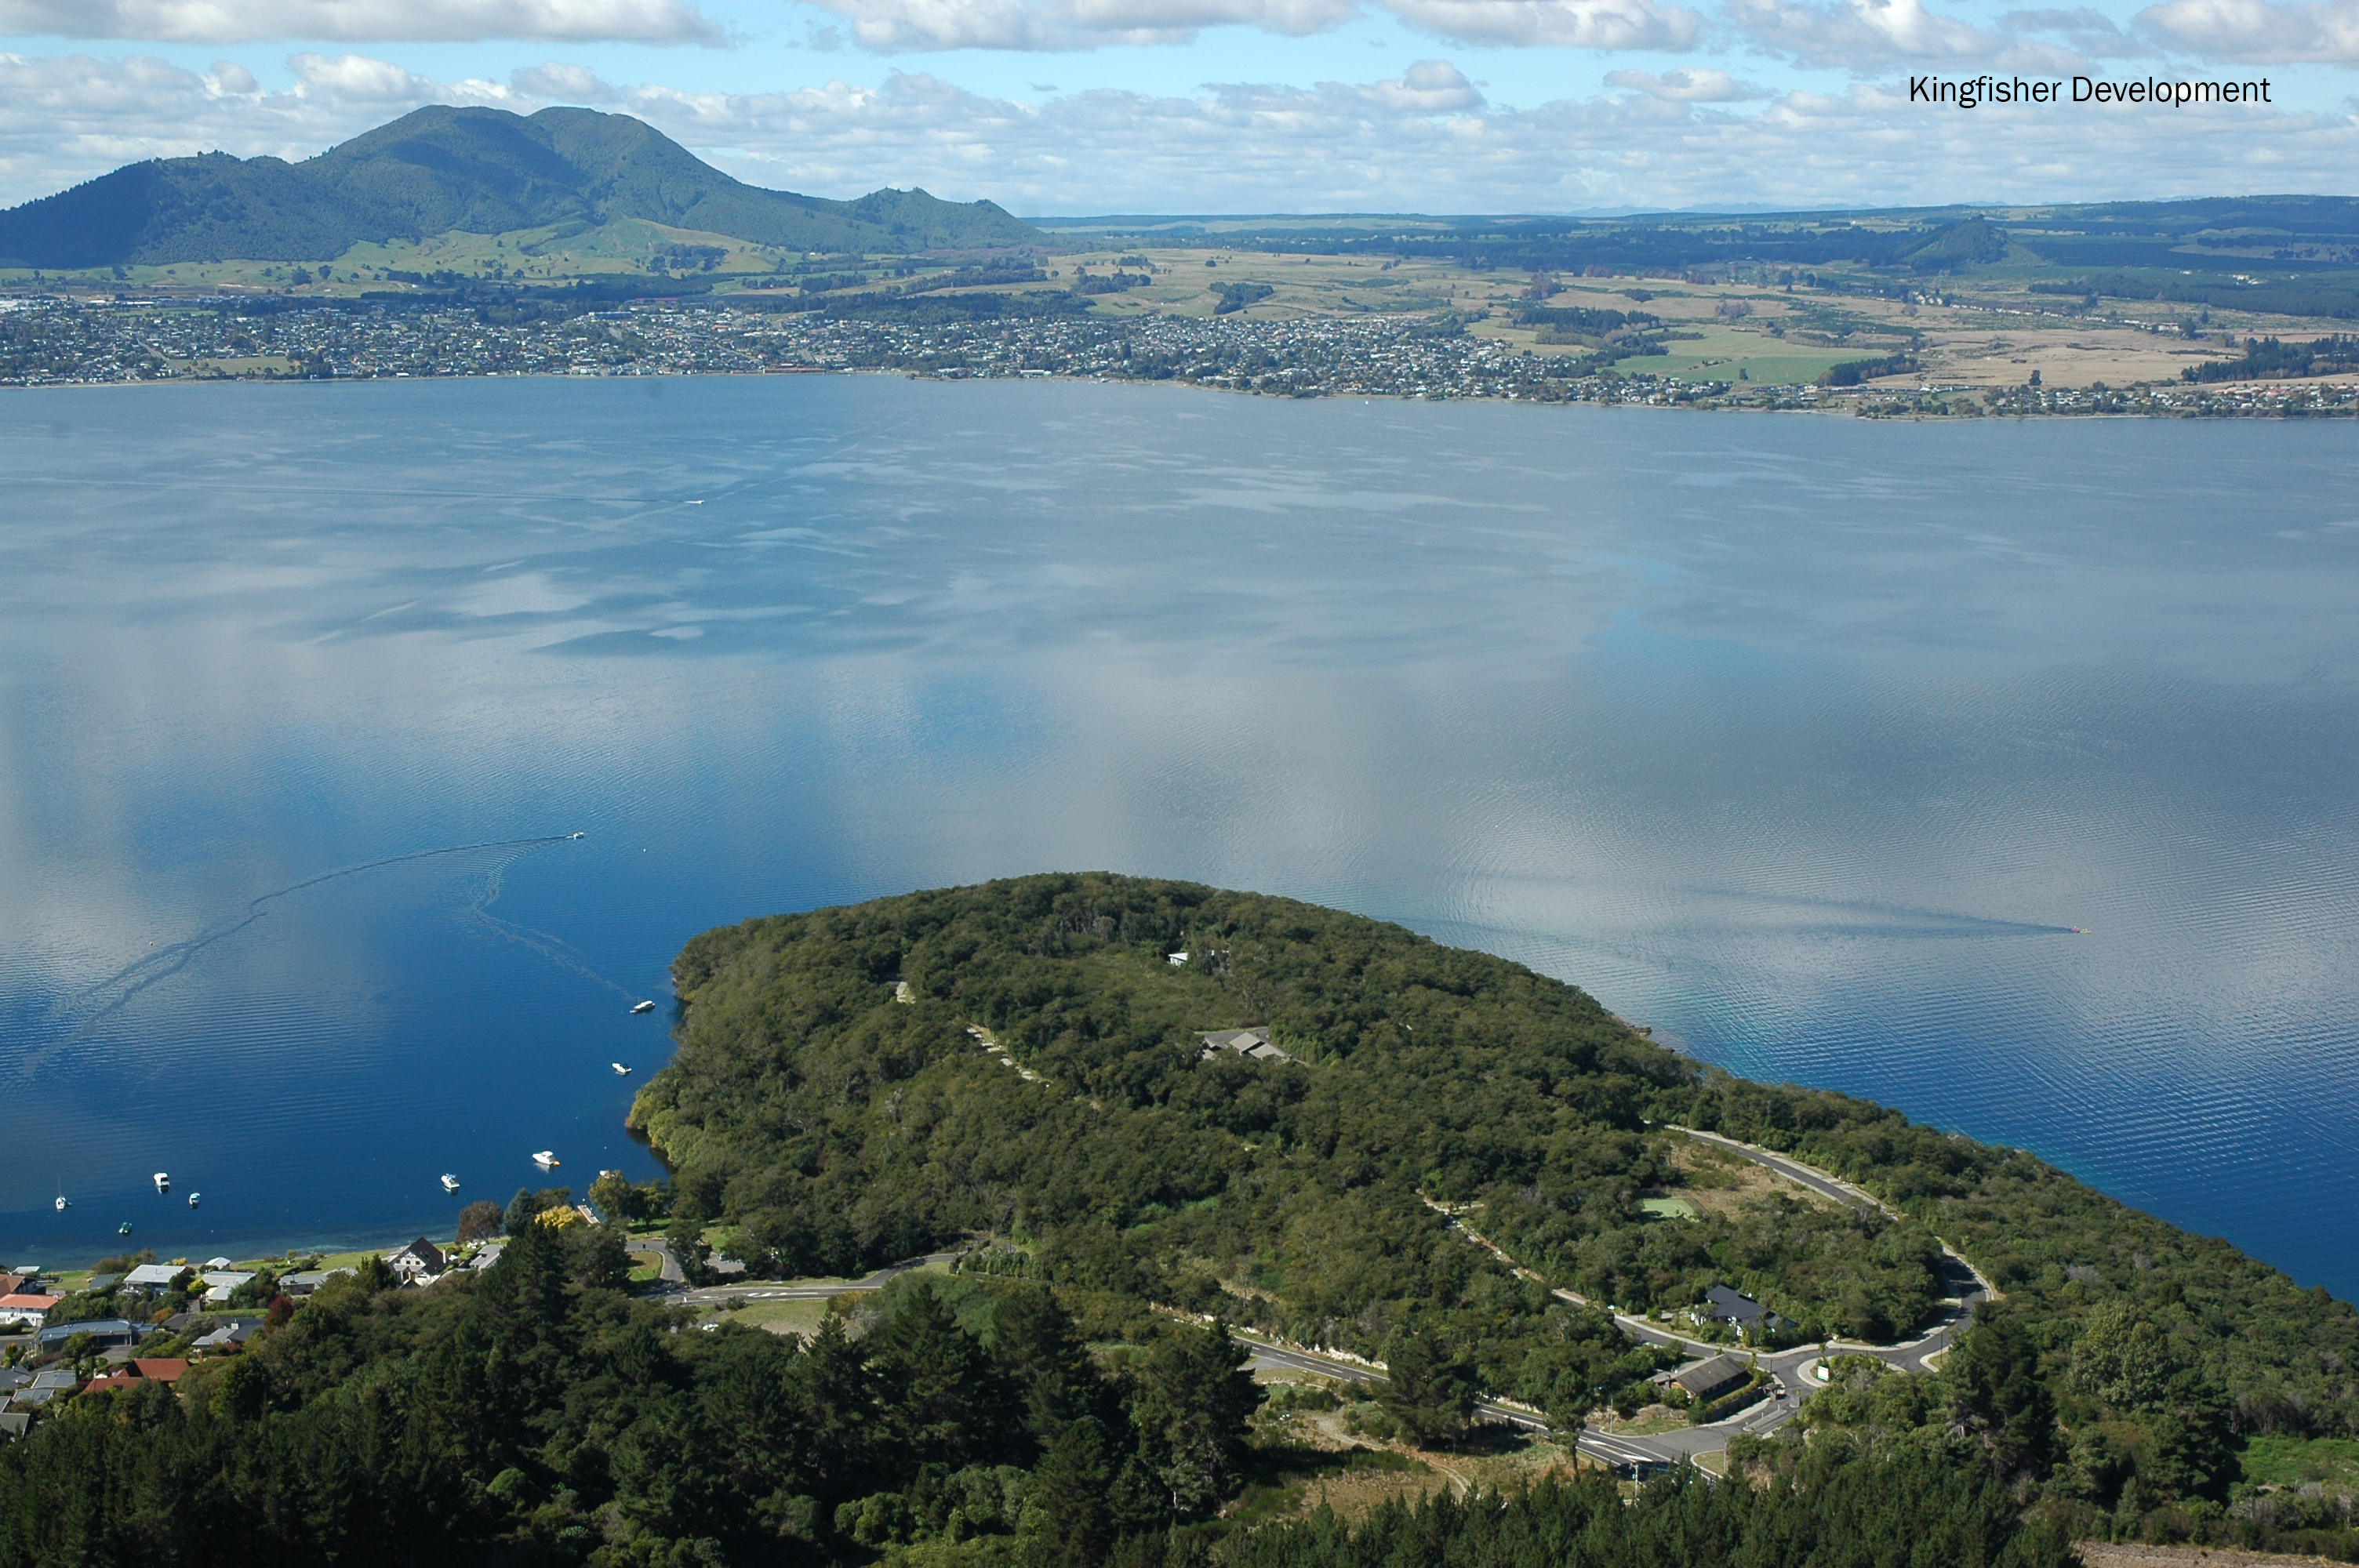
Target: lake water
x=1804 y=739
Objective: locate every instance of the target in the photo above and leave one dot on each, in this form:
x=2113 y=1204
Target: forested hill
x=1016 y=1068
x=480 y=170
x=837 y=1128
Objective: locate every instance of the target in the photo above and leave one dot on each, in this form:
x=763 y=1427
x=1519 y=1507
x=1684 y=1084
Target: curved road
x=1790 y=1370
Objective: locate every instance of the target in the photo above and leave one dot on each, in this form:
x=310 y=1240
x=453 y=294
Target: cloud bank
x=1427 y=140
x=2259 y=32
x=358 y=21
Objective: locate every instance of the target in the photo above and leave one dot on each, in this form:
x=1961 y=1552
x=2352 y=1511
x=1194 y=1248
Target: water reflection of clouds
x=1787 y=767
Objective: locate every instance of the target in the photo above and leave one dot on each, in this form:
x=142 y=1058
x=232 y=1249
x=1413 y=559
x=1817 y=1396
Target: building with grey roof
x=1254 y=1042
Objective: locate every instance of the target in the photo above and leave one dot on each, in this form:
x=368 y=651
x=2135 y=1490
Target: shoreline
x=1635 y=395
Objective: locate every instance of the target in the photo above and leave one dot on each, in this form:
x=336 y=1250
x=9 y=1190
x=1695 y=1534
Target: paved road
x=801 y=1291
x=1265 y=1354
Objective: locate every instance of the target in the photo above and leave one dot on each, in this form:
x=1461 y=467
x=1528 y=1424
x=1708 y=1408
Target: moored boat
x=645 y=1007
x=547 y=1160
x=450 y=1182
x=163 y=1182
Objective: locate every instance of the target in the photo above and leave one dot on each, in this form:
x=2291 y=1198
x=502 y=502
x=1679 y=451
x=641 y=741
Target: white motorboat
x=193 y=1197
x=547 y=1160
x=621 y=1069
x=163 y=1182
x=450 y=1182
x=645 y=1007
x=579 y=836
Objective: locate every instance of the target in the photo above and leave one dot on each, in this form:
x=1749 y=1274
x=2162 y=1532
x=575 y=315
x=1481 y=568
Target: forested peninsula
x=1019 y=1073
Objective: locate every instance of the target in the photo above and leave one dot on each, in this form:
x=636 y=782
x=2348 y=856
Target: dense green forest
x=537 y=1415
x=1016 y=1070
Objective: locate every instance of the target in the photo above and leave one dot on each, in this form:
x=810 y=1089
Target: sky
x=1075 y=107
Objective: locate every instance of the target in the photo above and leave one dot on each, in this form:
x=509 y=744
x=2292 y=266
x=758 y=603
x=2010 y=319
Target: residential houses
x=25 y=1309
x=419 y=1262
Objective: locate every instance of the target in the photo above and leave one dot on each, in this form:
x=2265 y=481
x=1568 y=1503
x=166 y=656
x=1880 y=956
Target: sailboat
x=62 y=1204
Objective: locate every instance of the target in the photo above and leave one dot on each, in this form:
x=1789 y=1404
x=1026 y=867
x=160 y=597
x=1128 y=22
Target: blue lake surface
x=1804 y=741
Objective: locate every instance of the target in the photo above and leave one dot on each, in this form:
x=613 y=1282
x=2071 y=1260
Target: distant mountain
x=484 y=170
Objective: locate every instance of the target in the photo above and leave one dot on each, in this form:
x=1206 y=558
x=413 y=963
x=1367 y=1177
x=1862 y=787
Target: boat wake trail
x=552 y=948
x=94 y=1005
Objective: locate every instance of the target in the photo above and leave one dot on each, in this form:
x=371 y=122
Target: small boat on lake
x=450 y=1182
x=547 y=1160
x=645 y=1007
x=163 y=1182
x=578 y=835
x=193 y=1197
x=621 y=1069
x=122 y=1229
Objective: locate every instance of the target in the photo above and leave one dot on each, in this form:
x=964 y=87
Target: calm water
x=1806 y=741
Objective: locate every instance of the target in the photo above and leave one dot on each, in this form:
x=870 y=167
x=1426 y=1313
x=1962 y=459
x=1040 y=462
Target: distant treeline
x=2266 y=358
x=2331 y=295
x=1850 y=372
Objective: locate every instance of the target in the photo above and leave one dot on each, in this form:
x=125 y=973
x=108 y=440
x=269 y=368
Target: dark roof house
x=105 y=1332
x=420 y=1257
x=1709 y=1379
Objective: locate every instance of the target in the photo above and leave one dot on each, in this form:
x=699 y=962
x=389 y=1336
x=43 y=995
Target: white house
x=420 y=1259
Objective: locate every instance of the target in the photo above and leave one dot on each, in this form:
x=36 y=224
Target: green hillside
x=478 y=170
x=834 y=1127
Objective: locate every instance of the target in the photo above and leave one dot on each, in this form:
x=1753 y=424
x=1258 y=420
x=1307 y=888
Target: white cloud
x=556 y=82
x=358 y=21
x=2260 y=32
x=926 y=24
x=353 y=82
x=1429 y=87
x=1576 y=24
x=891 y=25
x=1687 y=86
x=1871 y=35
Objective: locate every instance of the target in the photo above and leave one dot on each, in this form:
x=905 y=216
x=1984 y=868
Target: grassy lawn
x=779 y=1317
x=2291 y=1460
x=1669 y=1209
x=1764 y=360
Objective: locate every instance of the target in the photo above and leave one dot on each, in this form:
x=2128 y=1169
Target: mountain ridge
x=441 y=169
